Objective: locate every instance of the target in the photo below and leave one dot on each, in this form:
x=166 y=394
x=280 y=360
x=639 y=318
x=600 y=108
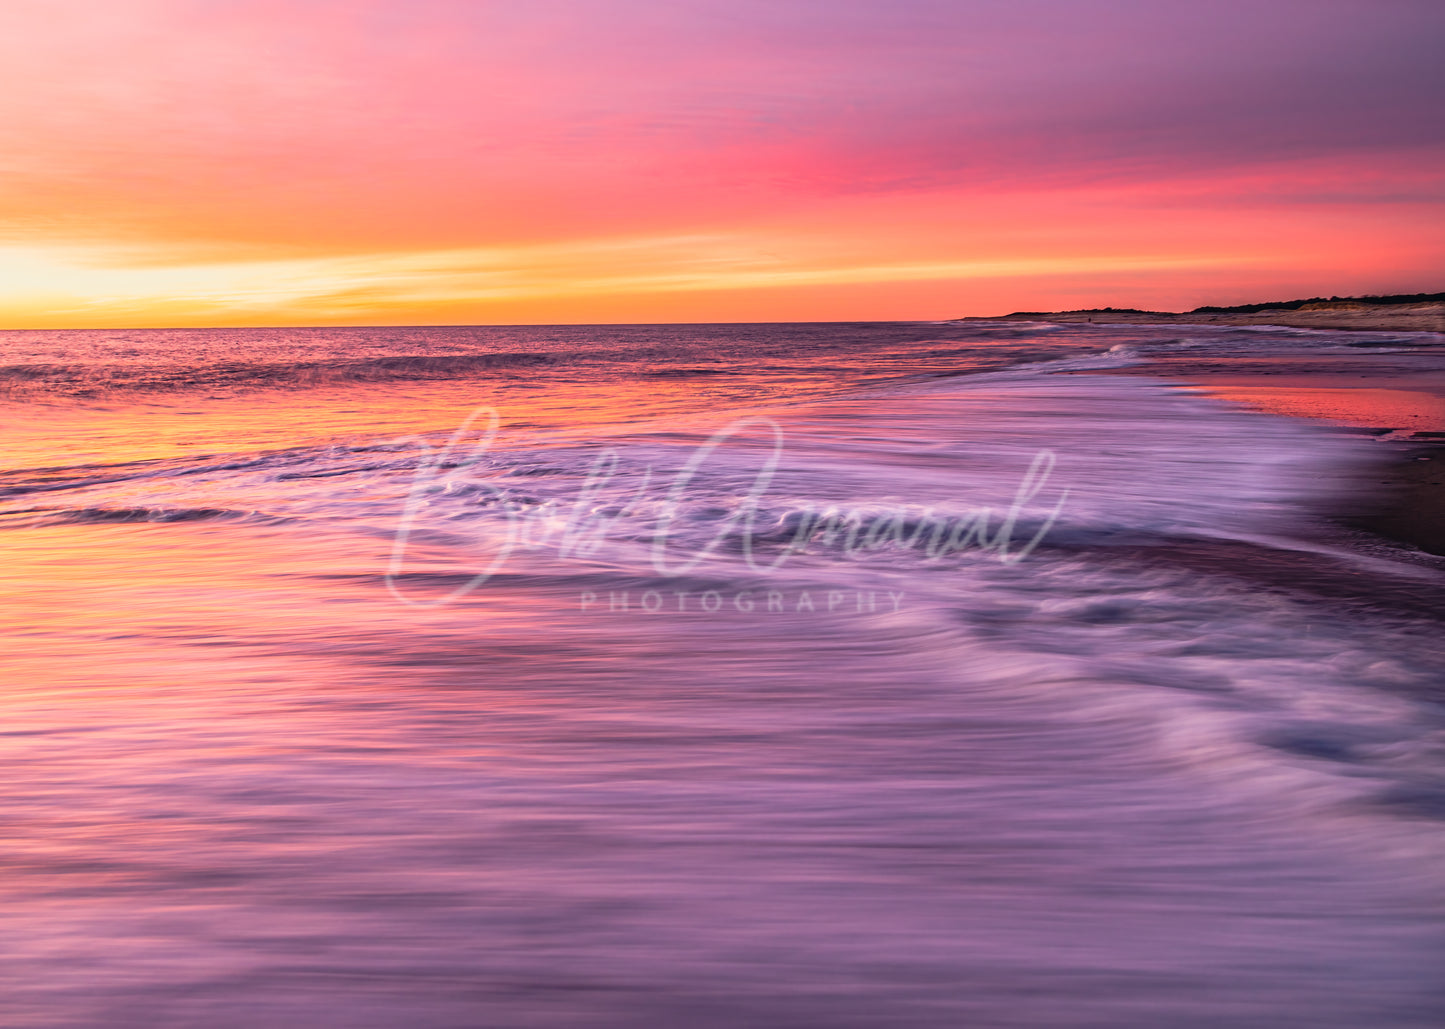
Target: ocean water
x=770 y=675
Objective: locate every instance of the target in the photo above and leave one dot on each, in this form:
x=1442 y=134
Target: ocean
x=835 y=675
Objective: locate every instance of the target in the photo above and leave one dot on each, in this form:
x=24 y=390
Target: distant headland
x=1414 y=312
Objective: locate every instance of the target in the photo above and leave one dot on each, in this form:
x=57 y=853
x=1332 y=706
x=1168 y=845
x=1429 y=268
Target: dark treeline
x=1082 y=310
x=1373 y=299
x=1295 y=305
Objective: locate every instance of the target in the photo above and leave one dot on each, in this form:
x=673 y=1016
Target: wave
x=33 y=517
x=91 y=379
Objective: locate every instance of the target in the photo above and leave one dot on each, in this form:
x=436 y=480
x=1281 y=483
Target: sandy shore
x=1383 y=317
x=1396 y=397
x=1404 y=497
x=1414 y=485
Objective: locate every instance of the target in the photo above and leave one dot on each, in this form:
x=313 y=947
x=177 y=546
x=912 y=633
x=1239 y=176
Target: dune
x=1347 y=315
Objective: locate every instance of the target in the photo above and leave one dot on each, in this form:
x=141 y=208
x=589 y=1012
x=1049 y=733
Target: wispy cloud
x=280 y=144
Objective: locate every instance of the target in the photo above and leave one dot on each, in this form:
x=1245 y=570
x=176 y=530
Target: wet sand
x=1410 y=503
x=1399 y=398
x=1415 y=489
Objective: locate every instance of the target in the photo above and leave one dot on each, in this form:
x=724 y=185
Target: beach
x=1403 y=401
x=847 y=674
x=1396 y=399
x=1342 y=316
x=504 y=527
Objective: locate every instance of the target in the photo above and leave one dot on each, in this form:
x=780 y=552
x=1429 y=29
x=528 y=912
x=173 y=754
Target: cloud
x=242 y=130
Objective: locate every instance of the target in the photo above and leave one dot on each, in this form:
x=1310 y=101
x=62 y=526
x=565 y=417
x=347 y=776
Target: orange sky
x=232 y=162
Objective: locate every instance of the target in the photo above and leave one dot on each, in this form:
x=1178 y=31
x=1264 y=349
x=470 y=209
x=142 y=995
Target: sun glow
x=247 y=163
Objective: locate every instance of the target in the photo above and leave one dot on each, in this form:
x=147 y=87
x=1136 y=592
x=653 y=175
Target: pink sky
x=194 y=163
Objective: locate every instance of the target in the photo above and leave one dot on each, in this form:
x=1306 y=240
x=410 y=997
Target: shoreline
x=1412 y=509
x=1397 y=398
x=1402 y=496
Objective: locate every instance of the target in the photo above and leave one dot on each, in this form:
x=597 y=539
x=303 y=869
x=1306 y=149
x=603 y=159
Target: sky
x=240 y=162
